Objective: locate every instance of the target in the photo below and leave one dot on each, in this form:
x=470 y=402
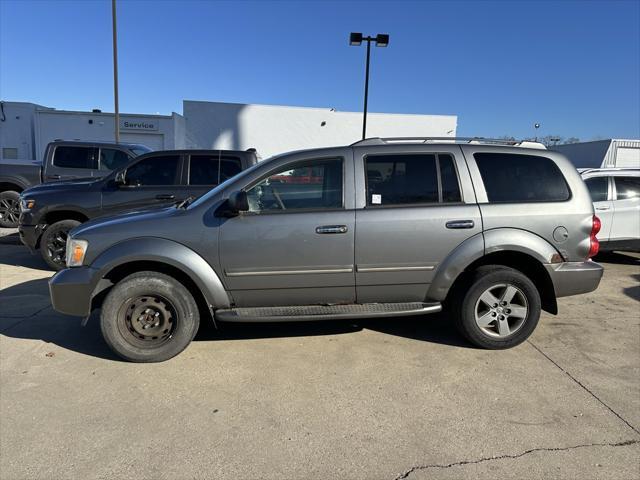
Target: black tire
x=53 y=243
x=129 y=312
x=9 y=209
x=467 y=302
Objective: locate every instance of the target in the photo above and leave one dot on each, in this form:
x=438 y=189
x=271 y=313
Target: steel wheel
x=147 y=321
x=501 y=310
x=9 y=211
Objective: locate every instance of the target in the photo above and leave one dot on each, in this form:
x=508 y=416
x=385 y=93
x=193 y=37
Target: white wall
x=274 y=129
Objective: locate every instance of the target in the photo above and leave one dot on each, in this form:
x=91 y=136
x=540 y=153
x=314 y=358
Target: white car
x=616 y=198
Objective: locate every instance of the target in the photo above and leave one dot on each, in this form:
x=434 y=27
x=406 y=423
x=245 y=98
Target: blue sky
x=500 y=66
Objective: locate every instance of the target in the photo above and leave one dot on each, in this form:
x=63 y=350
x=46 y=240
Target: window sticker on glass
x=376 y=199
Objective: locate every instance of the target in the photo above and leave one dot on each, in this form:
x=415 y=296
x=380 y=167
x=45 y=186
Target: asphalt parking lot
x=400 y=398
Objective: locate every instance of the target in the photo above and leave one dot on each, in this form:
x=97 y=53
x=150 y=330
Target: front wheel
x=53 y=244
x=498 y=308
x=149 y=317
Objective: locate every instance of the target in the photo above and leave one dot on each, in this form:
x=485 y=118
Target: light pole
x=115 y=70
x=355 y=40
x=536 y=126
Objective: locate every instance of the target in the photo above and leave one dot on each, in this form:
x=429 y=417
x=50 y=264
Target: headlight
x=76 y=249
x=27 y=204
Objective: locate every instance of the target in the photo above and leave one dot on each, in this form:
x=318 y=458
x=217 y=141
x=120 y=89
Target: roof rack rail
x=490 y=141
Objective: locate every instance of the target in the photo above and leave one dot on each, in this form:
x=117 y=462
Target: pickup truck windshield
x=140 y=149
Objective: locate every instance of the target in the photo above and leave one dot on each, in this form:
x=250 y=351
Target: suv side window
x=212 y=169
x=309 y=185
x=511 y=177
x=405 y=179
x=598 y=188
x=74 y=157
x=153 y=171
x=111 y=159
x=627 y=188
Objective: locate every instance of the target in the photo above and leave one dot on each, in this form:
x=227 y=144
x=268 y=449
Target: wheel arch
x=164 y=256
x=514 y=248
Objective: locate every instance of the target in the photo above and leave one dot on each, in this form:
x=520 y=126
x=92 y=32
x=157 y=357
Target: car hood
x=64 y=185
x=122 y=221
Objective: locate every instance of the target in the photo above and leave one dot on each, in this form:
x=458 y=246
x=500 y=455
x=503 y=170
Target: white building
x=602 y=153
x=26 y=128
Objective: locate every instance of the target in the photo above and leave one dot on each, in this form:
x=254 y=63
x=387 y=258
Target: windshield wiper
x=186 y=202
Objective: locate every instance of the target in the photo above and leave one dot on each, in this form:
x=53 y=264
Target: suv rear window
x=74 y=157
x=407 y=179
x=212 y=169
x=510 y=177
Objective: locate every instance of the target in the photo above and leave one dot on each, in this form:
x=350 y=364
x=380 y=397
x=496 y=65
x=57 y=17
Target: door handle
x=460 y=224
x=53 y=177
x=602 y=208
x=165 y=197
x=332 y=229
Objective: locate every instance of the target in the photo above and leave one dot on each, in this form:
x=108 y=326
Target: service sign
x=145 y=124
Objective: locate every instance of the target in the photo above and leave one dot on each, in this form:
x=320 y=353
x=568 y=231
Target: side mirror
x=238 y=202
x=119 y=178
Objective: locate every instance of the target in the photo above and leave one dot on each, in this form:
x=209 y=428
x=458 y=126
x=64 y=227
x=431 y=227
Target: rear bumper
x=574 y=278
x=72 y=289
x=30 y=235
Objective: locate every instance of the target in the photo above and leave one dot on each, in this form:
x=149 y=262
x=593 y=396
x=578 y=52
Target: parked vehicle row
x=382 y=228
x=62 y=161
x=51 y=210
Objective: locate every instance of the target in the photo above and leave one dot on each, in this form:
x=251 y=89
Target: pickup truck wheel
x=498 y=309
x=9 y=209
x=149 y=317
x=53 y=244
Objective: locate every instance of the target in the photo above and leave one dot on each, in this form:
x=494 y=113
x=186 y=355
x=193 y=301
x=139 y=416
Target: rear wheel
x=149 y=317
x=498 y=308
x=53 y=244
x=9 y=209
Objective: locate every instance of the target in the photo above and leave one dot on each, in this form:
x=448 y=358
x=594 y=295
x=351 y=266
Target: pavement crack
x=512 y=456
x=22 y=319
x=586 y=389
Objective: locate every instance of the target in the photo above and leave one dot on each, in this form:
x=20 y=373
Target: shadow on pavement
x=27 y=314
x=618 y=258
x=633 y=292
x=20 y=256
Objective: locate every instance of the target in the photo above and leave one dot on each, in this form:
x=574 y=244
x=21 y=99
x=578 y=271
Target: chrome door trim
x=405 y=268
x=301 y=271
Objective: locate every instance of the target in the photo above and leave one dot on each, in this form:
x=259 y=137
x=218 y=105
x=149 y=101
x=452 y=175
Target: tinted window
x=521 y=178
x=212 y=169
x=74 y=157
x=598 y=188
x=449 y=179
x=154 y=171
x=111 y=159
x=401 y=179
x=627 y=187
x=307 y=185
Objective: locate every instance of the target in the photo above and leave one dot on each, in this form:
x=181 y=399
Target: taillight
x=594 y=244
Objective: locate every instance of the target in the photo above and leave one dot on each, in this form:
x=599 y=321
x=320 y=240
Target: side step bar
x=325 y=312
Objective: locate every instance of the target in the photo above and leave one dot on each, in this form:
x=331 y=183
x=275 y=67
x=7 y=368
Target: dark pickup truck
x=49 y=211
x=63 y=160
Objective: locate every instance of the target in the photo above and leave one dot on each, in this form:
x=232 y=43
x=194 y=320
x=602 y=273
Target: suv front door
x=153 y=180
x=295 y=244
x=413 y=209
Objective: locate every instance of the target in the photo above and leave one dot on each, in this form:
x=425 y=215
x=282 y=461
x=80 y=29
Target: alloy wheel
x=501 y=310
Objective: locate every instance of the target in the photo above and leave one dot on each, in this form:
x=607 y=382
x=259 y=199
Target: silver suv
x=493 y=231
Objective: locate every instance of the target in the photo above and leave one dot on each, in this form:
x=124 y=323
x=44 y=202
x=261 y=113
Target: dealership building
x=27 y=128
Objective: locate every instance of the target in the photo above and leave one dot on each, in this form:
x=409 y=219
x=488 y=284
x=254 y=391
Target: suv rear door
x=626 y=219
x=153 y=179
x=415 y=204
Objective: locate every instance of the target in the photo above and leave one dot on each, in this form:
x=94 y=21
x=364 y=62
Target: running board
x=325 y=312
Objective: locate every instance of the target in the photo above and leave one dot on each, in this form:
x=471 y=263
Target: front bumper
x=574 y=278
x=72 y=290
x=30 y=235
